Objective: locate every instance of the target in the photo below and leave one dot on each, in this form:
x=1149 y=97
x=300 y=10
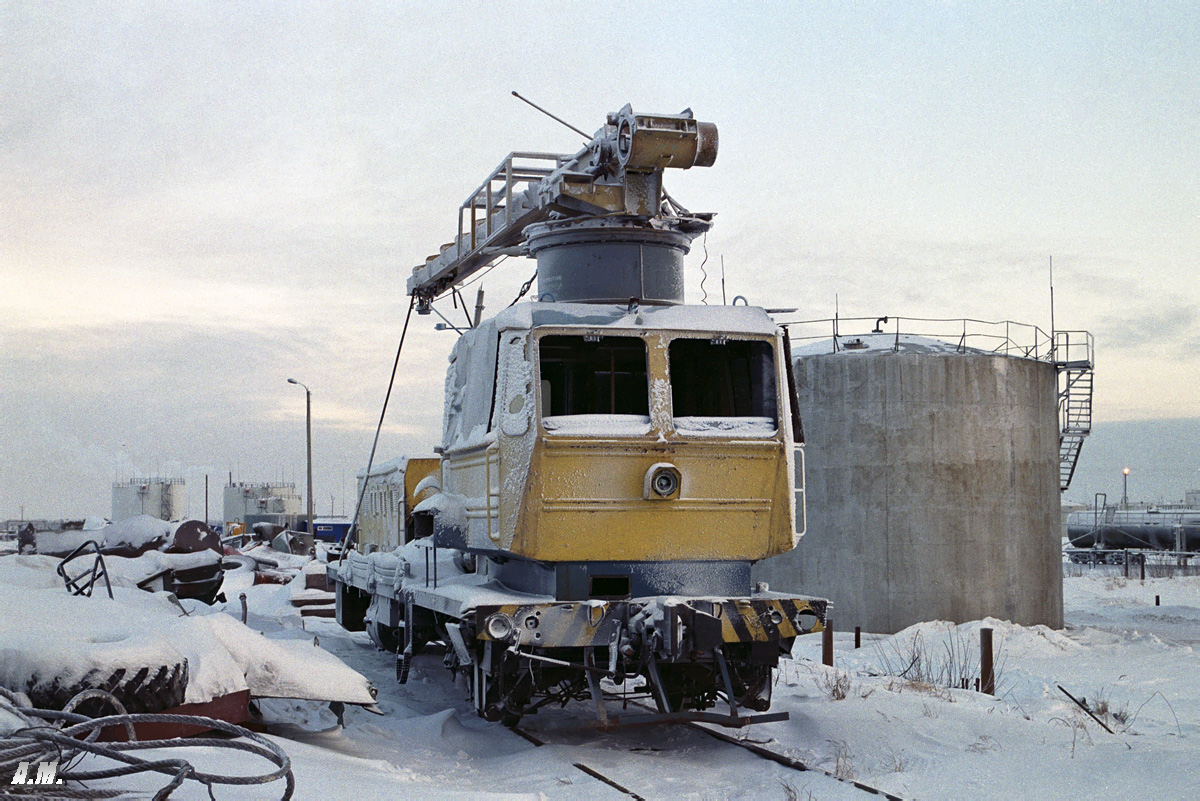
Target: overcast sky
x=200 y=200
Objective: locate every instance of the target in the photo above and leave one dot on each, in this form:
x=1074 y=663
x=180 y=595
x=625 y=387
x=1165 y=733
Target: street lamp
x=1125 y=491
x=308 y=428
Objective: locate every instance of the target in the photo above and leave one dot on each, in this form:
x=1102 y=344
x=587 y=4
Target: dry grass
x=792 y=794
x=955 y=667
x=1115 y=716
x=1077 y=723
x=843 y=760
x=835 y=683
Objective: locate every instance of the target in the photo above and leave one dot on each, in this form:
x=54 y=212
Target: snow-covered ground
x=1135 y=662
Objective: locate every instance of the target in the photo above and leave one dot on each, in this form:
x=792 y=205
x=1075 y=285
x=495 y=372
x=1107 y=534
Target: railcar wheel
x=385 y=638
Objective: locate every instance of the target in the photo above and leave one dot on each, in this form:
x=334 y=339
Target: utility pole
x=308 y=430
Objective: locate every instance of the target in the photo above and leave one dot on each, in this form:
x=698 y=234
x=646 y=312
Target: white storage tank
x=243 y=499
x=164 y=498
x=932 y=484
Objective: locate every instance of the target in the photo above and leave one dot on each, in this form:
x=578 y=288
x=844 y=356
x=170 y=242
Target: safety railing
x=497 y=198
x=1004 y=337
x=491 y=218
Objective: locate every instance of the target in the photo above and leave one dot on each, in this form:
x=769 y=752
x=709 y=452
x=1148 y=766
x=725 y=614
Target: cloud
x=84 y=406
x=1169 y=326
x=200 y=200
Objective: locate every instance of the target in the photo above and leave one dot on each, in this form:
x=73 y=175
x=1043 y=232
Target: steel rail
x=787 y=761
x=595 y=774
x=754 y=748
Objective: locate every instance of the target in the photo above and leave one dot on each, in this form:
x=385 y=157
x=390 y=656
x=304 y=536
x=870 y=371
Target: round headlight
x=499 y=627
x=664 y=483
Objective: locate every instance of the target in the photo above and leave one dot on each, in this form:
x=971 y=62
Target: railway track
x=574 y=732
x=754 y=748
x=787 y=761
x=595 y=774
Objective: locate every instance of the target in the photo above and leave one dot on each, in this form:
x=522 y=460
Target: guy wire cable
x=353 y=533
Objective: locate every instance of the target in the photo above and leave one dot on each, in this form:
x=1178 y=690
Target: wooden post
x=1156 y=600
x=827 y=643
x=1142 y=565
x=988 y=676
x=858 y=637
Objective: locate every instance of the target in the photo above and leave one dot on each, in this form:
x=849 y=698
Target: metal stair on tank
x=1073 y=359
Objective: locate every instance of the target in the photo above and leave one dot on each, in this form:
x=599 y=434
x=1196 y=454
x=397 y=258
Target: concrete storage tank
x=933 y=477
x=164 y=498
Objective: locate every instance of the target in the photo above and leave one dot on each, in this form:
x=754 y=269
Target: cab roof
x=708 y=319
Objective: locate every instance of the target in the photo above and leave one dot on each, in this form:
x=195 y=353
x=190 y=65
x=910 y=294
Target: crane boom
x=618 y=172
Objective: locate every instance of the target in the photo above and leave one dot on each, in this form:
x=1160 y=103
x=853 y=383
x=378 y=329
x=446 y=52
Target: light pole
x=308 y=429
x=1125 y=490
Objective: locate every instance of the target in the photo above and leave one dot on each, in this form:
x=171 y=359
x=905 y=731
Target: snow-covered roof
x=725 y=319
x=881 y=343
x=396 y=465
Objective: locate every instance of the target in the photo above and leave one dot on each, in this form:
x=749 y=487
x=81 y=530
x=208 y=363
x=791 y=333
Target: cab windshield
x=723 y=386
x=594 y=385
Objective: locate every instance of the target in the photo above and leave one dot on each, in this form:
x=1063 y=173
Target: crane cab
x=632 y=444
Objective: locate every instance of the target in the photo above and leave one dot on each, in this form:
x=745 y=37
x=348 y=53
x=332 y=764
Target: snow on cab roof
x=723 y=319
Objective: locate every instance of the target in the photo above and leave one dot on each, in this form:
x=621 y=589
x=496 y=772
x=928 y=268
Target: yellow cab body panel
x=585 y=502
x=586 y=414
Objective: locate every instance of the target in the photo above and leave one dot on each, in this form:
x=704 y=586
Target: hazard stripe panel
x=595 y=623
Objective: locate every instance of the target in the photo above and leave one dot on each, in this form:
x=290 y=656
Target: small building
x=260 y=501
x=164 y=498
x=330 y=529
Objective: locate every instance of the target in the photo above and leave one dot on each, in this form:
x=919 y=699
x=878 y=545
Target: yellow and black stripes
x=705 y=622
x=765 y=620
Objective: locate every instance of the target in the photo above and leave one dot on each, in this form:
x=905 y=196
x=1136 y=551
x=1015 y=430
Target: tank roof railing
x=1001 y=337
x=148 y=480
x=1074 y=349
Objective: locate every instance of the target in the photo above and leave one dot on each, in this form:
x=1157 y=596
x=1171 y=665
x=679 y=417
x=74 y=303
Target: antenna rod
x=1053 y=340
x=722 y=279
x=586 y=138
x=1051 y=294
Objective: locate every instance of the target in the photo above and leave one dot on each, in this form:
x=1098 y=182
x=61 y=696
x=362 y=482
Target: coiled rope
x=43 y=740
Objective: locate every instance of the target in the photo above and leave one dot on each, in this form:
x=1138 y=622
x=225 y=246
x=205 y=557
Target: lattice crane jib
x=619 y=172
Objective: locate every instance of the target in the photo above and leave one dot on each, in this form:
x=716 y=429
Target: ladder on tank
x=1072 y=355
